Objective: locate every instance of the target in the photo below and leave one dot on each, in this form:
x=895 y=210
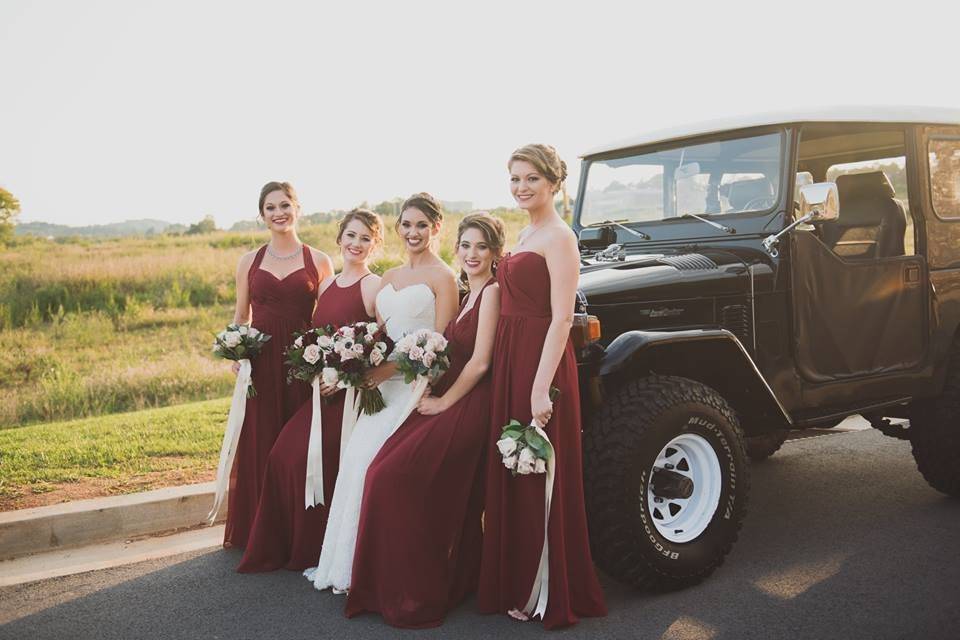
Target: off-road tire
x=620 y=446
x=763 y=446
x=935 y=432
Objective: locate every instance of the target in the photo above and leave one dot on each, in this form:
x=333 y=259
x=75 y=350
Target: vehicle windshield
x=722 y=177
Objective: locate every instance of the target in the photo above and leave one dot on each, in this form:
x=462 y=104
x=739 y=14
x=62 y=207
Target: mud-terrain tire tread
x=935 y=432
x=610 y=441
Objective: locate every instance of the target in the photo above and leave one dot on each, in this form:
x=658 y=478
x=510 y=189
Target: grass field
x=110 y=454
x=102 y=328
x=92 y=328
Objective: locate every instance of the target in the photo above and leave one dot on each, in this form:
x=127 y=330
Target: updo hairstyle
x=545 y=159
x=426 y=203
x=270 y=187
x=369 y=219
x=493 y=234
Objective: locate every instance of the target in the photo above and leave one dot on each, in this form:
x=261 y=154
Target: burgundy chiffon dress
x=514 y=506
x=280 y=307
x=286 y=534
x=418 y=545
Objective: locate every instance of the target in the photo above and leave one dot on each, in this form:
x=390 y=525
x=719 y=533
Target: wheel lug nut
x=658 y=500
x=668 y=466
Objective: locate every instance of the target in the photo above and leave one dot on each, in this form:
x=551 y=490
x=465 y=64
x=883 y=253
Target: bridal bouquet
x=526 y=449
x=241 y=343
x=423 y=353
x=307 y=356
x=357 y=348
x=237 y=342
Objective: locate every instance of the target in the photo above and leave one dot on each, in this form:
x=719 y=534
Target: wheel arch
x=714 y=357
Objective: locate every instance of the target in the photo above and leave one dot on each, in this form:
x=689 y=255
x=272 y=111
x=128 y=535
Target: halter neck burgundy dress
x=280 y=307
x=285 y=534
x=514 y=506
x=418 y=545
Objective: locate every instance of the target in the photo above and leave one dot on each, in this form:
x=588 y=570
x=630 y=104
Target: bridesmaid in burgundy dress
x=538 y=283
x=285 y=534
x=278 y=285
x=418 y=545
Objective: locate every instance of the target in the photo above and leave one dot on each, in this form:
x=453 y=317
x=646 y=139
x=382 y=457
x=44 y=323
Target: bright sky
x=113 y=110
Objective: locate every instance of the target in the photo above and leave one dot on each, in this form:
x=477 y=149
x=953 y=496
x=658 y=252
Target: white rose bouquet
x=423 y=353
x=526 y=449
x=356 y=349
x=240 y=342
x=307 y=356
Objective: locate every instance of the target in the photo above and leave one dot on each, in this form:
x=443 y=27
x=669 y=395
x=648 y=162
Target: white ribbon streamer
x=351 y=410
x=419 y=387
x=313 y=494
x=537 y=604
x=231 y=436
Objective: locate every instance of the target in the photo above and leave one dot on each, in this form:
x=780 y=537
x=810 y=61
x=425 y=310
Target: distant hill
x=113 y=230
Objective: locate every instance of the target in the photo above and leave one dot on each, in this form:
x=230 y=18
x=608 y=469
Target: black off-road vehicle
x=750 y=278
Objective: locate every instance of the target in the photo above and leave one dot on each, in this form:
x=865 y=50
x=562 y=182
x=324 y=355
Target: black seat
x=871 y=222
x=756 y=193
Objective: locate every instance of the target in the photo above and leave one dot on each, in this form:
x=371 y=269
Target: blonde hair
x=368 y=218
x=493 y=232
x=546 y=161
x=425 y=203
x=272 y=186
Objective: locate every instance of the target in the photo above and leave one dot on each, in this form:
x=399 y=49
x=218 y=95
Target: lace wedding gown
x=404 y=310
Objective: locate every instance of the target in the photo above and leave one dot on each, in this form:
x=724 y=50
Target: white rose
x=441 y=343
x=422 y=334
x=376 y=357
x=298 y=343
x=347 y=332
x=381 y=346
x=222 y=335
x=526 y=462
x=510 y=463
x=347 y=354
x=540 y=466
x=415 y=353
x=253 y=332
x=325 y=343
x=312 y=354
x=432 y=344
x=358 y=349
x=404 y=344
x=232 y=339
x=428 y=358
x=329 y=375
x=372 y=327
x=506 y=446
x=368 y=338
x=243 y=330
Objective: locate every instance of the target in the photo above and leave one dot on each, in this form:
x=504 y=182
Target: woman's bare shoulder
x=246 y=260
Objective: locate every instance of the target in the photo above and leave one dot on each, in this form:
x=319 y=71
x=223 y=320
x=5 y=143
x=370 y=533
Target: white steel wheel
x=682 y=519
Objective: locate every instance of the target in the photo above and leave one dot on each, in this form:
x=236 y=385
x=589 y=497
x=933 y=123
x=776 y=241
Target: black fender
x=714 y=357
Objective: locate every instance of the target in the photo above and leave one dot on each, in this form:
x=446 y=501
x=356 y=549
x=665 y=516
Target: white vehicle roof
x=906 y=114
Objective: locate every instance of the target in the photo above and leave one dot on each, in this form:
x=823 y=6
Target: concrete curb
x=86 y=522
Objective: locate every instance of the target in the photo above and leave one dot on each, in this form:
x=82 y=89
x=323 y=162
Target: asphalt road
x=844 y=540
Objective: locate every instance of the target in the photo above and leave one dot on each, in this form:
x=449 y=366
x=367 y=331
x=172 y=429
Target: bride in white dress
x=420 y=294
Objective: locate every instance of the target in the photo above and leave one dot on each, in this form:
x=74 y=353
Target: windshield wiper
x=723 y=228
x=616 y=223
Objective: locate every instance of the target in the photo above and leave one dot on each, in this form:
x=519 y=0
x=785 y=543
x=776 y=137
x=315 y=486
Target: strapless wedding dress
x=404 y=311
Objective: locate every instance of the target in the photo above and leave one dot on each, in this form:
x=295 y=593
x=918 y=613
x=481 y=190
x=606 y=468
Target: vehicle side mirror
x=597 y=237
x=819 y=202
